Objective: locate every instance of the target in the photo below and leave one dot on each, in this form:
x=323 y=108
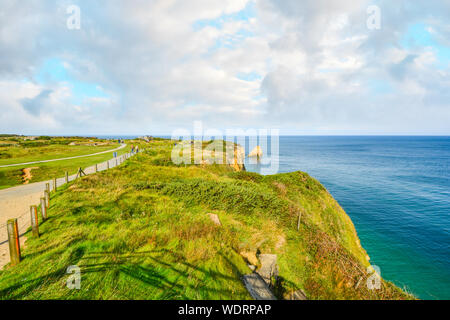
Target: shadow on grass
x=173 y=287
x=170 y=279
x=22 y=288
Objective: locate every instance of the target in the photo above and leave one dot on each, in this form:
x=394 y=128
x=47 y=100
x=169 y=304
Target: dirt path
x=15 y=202
x=52 y=160
x=26 y=176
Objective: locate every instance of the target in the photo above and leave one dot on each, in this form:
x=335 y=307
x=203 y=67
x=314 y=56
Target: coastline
x=288 y=215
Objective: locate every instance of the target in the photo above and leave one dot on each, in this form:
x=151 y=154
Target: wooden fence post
x=107 y=165
x=47 y=187
x=34 y=221
x=96 y=168
x=298 y=221
x=67 y=177
x=80 y=173
x=43 y=209
x=13 y=239
x=47 y=198
x=54 y=184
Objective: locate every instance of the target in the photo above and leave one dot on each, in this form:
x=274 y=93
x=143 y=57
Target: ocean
x=397 y=192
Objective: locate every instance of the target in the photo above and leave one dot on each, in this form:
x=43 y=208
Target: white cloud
x=318 y=68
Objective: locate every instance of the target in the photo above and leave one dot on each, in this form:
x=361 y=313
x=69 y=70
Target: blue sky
x=229 y=41
x=53 y=70
x=247 y=13
x=419 y=36
x=304 y=67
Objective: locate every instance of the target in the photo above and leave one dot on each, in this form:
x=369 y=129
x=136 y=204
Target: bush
x=5 y=155
x=247 y=176
x=33 y=144
x=234 y=196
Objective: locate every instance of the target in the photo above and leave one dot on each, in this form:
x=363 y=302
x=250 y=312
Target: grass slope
x=141 y=231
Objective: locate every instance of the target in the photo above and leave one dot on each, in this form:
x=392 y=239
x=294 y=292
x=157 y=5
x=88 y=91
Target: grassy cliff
x=141 y=231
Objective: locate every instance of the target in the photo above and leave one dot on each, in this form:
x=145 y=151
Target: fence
x=15 y=229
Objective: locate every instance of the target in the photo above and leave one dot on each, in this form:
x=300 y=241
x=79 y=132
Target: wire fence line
x=25 y=224
x=4 y=238
x=19 y=217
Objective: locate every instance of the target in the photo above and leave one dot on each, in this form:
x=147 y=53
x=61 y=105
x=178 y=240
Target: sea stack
x=256 y=152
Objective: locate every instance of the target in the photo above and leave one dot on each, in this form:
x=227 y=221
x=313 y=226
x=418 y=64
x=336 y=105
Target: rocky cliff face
x=239 y=157
x=234 y=155
x=256 y=153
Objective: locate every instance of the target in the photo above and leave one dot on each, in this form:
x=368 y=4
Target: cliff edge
x=144 y=230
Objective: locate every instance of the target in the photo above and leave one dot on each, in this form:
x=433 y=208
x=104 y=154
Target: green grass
x=141 y=231
x=20 y=154
x=12 y=176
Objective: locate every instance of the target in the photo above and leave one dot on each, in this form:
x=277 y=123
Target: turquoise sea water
x=397 y=192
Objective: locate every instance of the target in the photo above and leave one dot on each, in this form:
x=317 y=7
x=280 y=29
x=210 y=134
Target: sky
x=310 y=67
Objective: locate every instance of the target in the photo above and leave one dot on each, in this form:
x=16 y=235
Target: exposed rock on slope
x=26 y=176
x=256 y=153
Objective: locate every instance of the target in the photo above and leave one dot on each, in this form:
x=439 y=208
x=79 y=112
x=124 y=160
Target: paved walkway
x=52 y=160
x=15 y=202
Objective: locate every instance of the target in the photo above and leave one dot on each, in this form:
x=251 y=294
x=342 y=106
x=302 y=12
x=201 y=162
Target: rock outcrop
x=250 y=257
x=215 y=218
x=259 y=283
x=234 y=155
x=268 y=268
x=257 y=288
x=296 y=295
x=239 y=158
x=256 y=153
